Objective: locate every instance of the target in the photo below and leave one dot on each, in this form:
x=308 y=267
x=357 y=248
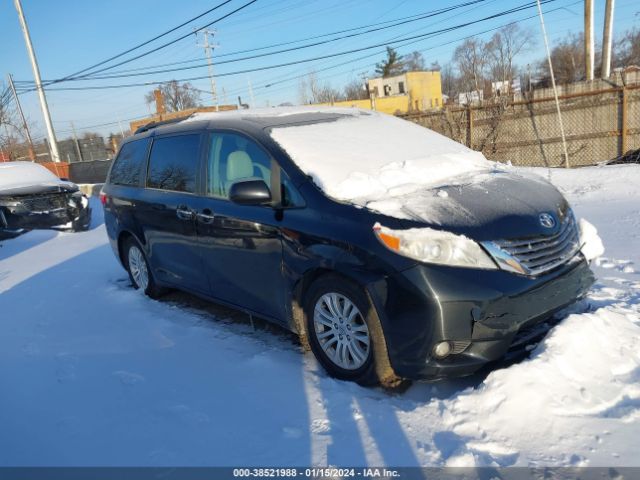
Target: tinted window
x=234 y=158
x=173 y=163
x=128 y=166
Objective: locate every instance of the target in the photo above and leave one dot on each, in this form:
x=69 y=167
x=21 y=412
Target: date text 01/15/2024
x=315 y=472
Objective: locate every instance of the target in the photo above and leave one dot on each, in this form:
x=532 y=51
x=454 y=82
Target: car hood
x=37 y=188
x=488 y=205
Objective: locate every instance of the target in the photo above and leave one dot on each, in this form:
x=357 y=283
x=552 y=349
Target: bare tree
x=450 y=82
x=303 y=96
x=502 y=49
x=355 y=90
x=567 y=58
x=310 y=90
x=414 y=62
x=13 y=137
x=470 y=58
x=7 y=114
x=90 y=135
x=392 y=65
x=314 y=88
x=177 y=96
x=627 y=51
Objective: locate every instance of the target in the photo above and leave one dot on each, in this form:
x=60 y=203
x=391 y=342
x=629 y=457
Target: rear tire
x=344 y=331
x=138 y=268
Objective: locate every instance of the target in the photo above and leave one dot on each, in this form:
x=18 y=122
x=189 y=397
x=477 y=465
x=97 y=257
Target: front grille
x=44 y=203
x=541 y=254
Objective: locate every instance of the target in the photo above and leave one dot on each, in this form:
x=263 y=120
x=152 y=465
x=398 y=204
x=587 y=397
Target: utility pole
x=606 y=39
x=253 y=99
x=589 y=46
x=208 y=48
x=32 y=152
x=555 y=90
x=75 y=139
x=53 y=144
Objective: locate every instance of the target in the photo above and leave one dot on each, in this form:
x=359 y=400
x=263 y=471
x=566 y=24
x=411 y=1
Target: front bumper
x=481 y=311
x=48 y=211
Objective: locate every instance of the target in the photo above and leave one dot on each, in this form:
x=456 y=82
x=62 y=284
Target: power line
x=401 y=20
x=164 y=45
x=147 y=42
x=351 y=61
x=297 y=62
x=266 y=88
x=148 y=52
x=89 y=127
x=278 y=79
x=301 y=47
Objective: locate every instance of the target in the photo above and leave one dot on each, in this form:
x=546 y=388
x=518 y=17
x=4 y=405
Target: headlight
x=78 y=200
x=435 y=246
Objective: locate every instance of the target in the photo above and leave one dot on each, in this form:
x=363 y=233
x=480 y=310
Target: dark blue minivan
x=217 y=207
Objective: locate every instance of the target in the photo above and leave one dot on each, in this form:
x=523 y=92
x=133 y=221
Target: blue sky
x=70 y=35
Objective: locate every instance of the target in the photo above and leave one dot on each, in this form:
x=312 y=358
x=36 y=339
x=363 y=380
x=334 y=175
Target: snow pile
x=370 y=156
x=24 y=174
x=585 y=373
x=591 y=242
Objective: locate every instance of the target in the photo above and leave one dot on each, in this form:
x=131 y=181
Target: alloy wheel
x=138 y=268
x=341 y=331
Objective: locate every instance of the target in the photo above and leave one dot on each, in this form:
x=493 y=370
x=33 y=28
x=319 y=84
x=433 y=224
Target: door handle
x=206 y=216
x=184 y=213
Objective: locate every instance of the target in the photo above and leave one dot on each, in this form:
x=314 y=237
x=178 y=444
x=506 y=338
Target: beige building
x=409 y=92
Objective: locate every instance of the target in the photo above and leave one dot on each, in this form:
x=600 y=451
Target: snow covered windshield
x=24 y=174
x=366 y=156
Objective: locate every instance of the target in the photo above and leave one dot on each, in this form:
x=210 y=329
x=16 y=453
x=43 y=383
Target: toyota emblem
x=547 y=220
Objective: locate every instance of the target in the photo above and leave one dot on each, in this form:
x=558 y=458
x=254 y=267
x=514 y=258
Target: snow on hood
x=369 y=158
x=14 y=175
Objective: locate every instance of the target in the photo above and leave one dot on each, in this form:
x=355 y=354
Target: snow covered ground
x=93 y=373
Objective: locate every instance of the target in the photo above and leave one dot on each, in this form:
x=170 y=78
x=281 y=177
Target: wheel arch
x=123 y=236
x=369 y=285
x=304 y=282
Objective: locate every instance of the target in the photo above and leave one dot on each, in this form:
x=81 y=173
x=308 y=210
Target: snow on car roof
x=364 y=157
x=24 y=174
x=276 y=112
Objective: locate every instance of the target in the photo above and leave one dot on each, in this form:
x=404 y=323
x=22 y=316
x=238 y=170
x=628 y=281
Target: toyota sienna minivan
x=392 y=251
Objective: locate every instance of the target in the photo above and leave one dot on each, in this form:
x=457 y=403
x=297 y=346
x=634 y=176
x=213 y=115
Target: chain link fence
x=600 y=126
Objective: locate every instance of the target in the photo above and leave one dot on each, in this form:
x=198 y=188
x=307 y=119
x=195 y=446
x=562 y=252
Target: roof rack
x=151 y=125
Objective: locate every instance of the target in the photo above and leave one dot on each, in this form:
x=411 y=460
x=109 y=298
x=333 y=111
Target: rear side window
x=173 y=163
x=128 y=166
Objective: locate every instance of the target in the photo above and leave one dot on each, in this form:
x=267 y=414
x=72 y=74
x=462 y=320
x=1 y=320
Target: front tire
x=138 y=268
x=342 y=329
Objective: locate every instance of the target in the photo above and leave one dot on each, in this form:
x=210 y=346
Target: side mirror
x=250 y=192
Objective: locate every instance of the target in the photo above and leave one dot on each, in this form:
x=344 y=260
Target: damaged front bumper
x=483 y=314
x=49 y=209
